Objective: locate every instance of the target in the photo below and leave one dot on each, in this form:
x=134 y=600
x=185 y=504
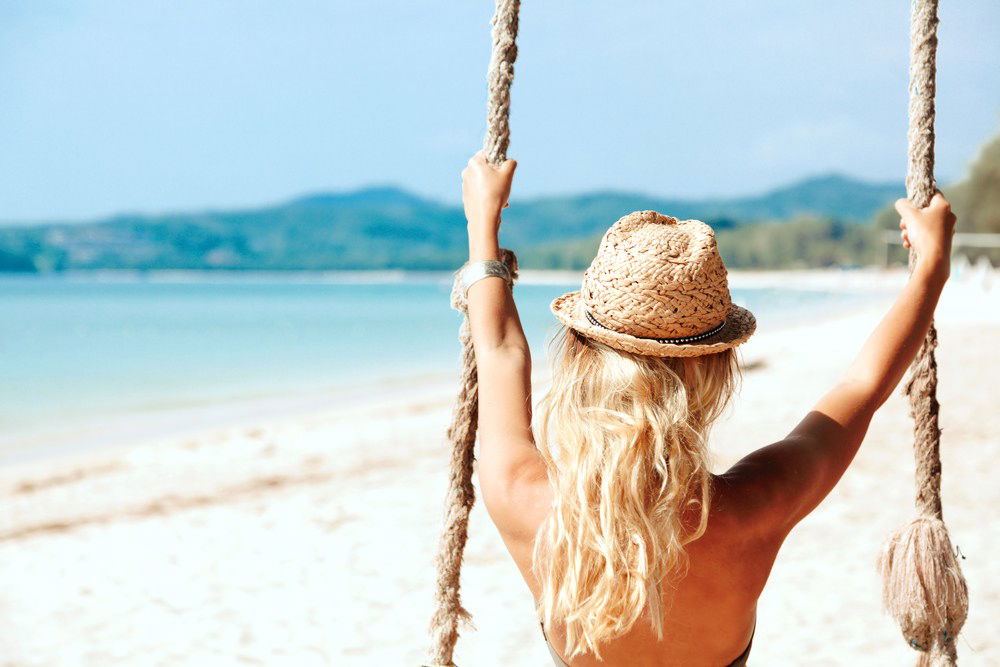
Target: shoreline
x=120 y=426
x=72 y=429
x=815 y=278
x=309 y=538
x=170 y=421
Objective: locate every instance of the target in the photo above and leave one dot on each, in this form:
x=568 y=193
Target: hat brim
x=740 y=325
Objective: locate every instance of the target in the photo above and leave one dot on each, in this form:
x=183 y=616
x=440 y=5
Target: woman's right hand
x=928 y=232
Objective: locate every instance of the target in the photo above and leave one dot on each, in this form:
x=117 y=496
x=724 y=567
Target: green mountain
x=567 y=218
x=385 y=227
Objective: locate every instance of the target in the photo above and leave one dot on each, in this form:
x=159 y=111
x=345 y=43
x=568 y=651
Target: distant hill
x=385 y=227
x=566 y=218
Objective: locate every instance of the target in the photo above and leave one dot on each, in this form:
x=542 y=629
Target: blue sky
x=152 y=106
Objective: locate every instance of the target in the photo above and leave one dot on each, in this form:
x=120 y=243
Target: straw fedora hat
x=657 y=287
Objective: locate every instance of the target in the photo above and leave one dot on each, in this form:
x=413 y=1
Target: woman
x=635 y=552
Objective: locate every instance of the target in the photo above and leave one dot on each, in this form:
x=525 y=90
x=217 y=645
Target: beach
x=307 y=536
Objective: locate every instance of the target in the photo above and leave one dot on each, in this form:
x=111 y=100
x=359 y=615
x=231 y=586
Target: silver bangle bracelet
x=476 y=271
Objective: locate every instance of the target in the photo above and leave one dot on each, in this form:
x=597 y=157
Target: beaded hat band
x=681 y=339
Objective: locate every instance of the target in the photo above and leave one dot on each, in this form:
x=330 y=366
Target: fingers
x=903 y=206
x=479 y=158
x=476 y=162
x=938 y=201
x=479 y=170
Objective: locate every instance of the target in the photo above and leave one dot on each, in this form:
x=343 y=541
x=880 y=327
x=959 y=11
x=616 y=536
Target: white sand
x=309 y=539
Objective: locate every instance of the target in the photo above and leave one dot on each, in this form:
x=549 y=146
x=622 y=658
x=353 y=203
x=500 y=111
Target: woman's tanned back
x=712 y=611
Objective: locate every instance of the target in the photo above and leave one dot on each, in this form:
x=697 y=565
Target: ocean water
x=86 y=349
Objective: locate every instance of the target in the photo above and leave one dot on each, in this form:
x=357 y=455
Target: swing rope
x=923 y=586
x=465 y=417
x=922 y=583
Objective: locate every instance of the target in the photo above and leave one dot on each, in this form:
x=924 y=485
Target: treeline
x=799 y=244
x=975 y=200
x=386 y=228
x=16 y=262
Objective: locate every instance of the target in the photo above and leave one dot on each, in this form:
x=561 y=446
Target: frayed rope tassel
x=924 y=590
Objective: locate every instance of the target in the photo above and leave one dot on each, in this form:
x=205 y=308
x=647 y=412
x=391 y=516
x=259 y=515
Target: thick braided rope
x=449 y=611
x=923 y=586
x=499 y=80
x=921 y=387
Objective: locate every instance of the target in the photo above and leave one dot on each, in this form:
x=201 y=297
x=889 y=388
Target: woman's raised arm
x=803 y=468
x=509 y=463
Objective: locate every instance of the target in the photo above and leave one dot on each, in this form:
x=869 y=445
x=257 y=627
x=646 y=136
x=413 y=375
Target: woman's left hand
x=485 y=191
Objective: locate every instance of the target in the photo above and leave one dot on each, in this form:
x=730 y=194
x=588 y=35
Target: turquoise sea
x=78 y=350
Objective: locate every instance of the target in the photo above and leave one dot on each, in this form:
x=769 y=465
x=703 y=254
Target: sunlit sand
x=308 y=539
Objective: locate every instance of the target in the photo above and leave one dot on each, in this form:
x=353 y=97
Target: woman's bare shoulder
x=751 y=503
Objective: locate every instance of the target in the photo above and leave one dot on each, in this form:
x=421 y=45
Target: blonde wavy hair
x=624 y=438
